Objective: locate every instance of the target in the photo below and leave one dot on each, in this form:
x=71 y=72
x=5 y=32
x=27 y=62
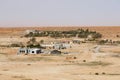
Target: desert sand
x=93 y=62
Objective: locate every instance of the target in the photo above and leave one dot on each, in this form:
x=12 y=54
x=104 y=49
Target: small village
x=70 y=39
x=59 y=40
x=54 y=47
x=80 y=51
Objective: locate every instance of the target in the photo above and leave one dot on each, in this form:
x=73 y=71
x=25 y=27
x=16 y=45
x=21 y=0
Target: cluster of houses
x=57 y=46
x=51 y=46
x=29 y=51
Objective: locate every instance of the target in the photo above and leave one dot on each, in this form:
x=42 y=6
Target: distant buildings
x=90 y=37
x=32 y=31
x=57 y=46
x=78 y=41
x=52 y=46
x=29 y=51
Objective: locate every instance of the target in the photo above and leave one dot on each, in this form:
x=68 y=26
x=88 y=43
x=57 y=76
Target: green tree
x=33 y=40
x=41 y=41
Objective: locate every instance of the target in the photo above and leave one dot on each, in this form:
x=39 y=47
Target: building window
x=32 y=51
x=38 y=51
x=21 y=51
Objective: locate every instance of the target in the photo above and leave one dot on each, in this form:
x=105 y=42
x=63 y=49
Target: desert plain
x=87 y=61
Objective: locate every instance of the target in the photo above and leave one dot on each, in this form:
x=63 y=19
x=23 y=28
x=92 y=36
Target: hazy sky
x=59 y=12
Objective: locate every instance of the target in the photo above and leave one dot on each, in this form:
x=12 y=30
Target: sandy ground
x=57 y=67
x=101 y=63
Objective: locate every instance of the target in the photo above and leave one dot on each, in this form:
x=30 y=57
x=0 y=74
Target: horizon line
x=53 y=26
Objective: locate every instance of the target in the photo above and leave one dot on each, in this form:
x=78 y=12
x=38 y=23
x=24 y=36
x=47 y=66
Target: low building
x=32 y=31
x=90 y=37
x=49 y=46
x=78 y=41
x=55 y=52
x=29 y=51
x=62 y=46
x=57 y=46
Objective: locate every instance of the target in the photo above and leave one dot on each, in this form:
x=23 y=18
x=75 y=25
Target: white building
x=57 y=45
x=29 y=51
x=32 y=31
